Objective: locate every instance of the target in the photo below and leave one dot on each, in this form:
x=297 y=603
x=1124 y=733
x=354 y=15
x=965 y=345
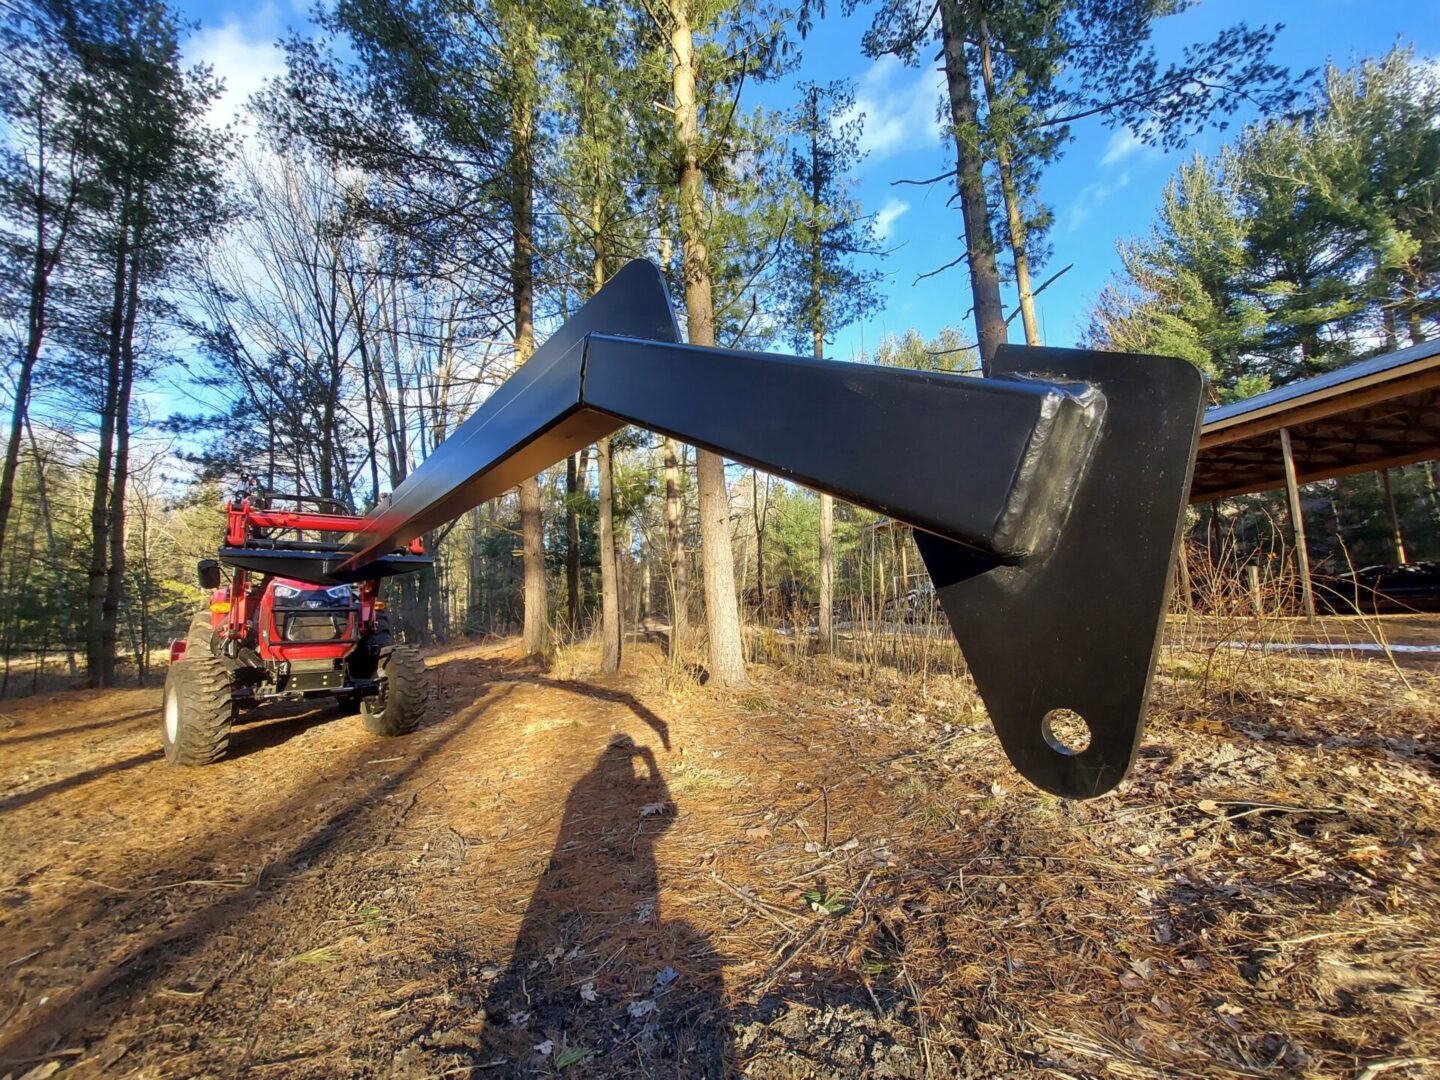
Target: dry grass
x=1259 y=899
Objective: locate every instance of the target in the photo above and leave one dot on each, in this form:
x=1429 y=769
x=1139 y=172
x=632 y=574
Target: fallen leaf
x=665 y=976
x=637 y=1009
x=544 y=1048
x=587 y=992
x=759 y=832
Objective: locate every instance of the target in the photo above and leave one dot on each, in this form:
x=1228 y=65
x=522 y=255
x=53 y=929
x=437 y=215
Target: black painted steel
x=322 y=567
x=1048 y=499
x=1080 y=629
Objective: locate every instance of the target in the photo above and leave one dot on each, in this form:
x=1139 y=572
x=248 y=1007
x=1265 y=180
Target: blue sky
x=1105 y=188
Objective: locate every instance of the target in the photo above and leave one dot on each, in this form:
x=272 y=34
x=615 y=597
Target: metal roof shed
x=1368 y=416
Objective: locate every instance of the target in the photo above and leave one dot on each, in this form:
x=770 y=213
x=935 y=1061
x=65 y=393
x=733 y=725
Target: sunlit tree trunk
x=610 y=629
x=1019 y=242
x=675 y=547
x=722 y=613
x=970 y=182
x=572 y=543
x=535 y=637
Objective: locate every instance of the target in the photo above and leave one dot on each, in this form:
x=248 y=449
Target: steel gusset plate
x=1080 y=628
x=1047 y=500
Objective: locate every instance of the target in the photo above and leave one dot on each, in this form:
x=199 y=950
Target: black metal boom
x=1047 y=498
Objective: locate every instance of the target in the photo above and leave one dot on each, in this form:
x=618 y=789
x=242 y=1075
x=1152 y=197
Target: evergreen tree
x=1019 y=73
x=822 y=291
x=1307 y=244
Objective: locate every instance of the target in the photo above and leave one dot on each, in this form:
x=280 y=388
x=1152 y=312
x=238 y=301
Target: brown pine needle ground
x=836 y=874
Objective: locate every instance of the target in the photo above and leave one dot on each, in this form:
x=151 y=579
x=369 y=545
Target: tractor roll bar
x=1047 y=498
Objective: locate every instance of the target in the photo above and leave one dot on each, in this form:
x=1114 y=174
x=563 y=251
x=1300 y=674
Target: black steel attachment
x=1047 y=499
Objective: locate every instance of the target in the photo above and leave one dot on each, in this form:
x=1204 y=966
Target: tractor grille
x=316 y=626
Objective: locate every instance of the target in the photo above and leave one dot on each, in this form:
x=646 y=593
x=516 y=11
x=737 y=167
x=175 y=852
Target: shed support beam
x=1297 y=525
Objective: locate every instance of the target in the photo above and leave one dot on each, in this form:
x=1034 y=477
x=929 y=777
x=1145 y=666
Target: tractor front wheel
x=198 y=711
x=404 y=690
x=200 y=634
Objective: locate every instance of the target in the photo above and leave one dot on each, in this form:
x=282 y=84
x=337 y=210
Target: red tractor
x=290 y=625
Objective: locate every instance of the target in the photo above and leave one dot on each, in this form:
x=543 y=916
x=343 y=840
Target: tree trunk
x=439 y=623
x=536 y=633
x=827 y=502
x=95 y=669
x=1019 y=246
x=572 y=543
x=17 y=425
x=610 y=629
x=535 y=638
x=43 y=264
x=722 y=614
x=827 y=572
x=115 y=583
x=675 y=542
x=760 y=511
x=970 y=182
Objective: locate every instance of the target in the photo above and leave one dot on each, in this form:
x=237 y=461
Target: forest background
x=312 y=272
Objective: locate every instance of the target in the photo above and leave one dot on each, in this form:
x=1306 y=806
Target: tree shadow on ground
x=56 y=787
x=8 y=740
x=657 y=1011
x=168 y=942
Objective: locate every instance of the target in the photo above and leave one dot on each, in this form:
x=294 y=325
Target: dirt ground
x=836 y=874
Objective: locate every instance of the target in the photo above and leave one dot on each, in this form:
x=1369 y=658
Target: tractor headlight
x=286 y=592
x=339 y=592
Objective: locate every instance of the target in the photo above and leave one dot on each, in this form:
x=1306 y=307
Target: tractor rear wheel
x=404 y=690
x=200 y=634
x=198 y=711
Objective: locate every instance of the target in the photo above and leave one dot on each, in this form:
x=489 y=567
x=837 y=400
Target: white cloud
x=1123 y=144
x=244 y=56
x=899 y=107
x=892 y=209
x=1090 y=197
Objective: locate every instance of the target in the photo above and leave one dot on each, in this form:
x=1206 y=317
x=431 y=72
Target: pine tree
x=1019 y=74
x=710 y=51
x=821 y=289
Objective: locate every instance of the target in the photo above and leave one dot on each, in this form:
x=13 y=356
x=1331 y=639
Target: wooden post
x=1297 y=524
x=1394 y=518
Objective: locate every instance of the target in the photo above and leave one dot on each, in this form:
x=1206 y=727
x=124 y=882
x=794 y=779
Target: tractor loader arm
x=1047 y=498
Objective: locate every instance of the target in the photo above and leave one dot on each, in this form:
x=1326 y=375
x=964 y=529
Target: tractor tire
x=198 y=711
x=404 y=692
x=200 y=634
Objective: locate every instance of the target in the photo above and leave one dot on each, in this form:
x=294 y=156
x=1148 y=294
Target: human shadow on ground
x=598 y=973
